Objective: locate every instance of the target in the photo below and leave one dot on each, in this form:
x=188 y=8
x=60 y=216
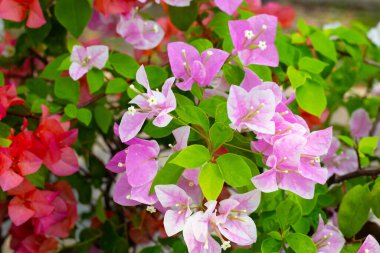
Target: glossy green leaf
x=270 y=245
x=67 y=88
x=124 y=64
x=354 y=209
x=84 y=115
x=201 y=44
x=116 y=85
x=192 y=157
x=183 y=17
x=367 y=145
x=103 y=118
x=311 y=97
x=312 y=65
x=73 y=15
x=95 y=79
x=193 y=115
x=71 y=111
x=220 y=134
x=323 y=45
x=301 y=243
x=288 y=213
x=211 y=181
x=296 y=78
x=235 y=170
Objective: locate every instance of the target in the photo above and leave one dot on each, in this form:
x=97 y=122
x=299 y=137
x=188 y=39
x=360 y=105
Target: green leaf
x=233 y=74
x=183 y=17
x=38 y=178
x=192 y=157
x=201 y=44
x=84 y=115
x=5 y=143
x=235 y=170
x=99 y=209
x=303 y=27
x=103 y=118
x=5 y=130
x=193 y=115
x=296 y=78
x=95 y=79
x=67 y=88
x=301 y=243
x=220 y=134
x=375 y=195
x=156 y=76
x=311 y=97
x=219 y=24
x=1 y=79
x=264 y=72
x=347 y=140
x=51 y=72
x=354 y=209
x=270 y=245
x=168 y=174
x=302 y=225
x=211 y=181
x=71 y=111
x=312 y=65
x=221 y=114
x=210 y=105
x=323 y=45
x=73 y=15
x=65 y=64
x=116 y=85
x=288 y=213
x=124 y=64
x=367 y=145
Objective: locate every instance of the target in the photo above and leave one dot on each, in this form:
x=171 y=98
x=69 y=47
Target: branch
x=373 y=63
x=359 y=173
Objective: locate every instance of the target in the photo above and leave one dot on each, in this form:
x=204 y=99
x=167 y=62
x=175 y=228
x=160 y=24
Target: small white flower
x=155 y=28
x=366 y=251
x=152 y=100
x=129 y=196
x=131 y=110
x=248 y=34
x=151 y=209
x=262 y=45
x=264 y=26
x=226 y=245
x=209 y=53
x=374 y=35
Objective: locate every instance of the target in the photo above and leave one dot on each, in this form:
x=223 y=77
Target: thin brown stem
x=358 y=173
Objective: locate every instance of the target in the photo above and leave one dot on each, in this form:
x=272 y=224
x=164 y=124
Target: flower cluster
x=40 y=216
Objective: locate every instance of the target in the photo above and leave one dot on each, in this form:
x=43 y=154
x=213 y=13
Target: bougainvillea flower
x=18 y=160
x=107 y=7
x=16 y=10
x=178 y=3
x=254 y=38
x=64 y=216
x=54 y=146
x=328 y=238
x=360 y=123
x=370 y=245
x=29 y=202
x=24 y=240
x=141 y=34
x=8 y=98
x=52 y=212
x=190 y=66
x=228 y=6
x=234 y=222
x=85 y=58
x=177 y=203
x=252 y=110
x=196 y=232
x=295 y=164
x=152 y=104
x=340 y=163
x=140 y=163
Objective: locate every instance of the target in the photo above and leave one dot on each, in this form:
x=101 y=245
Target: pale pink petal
x=76 y=71
x=131 y=125
x=98 y=56
x=228 y=6
x=266 y=182
x=171 y=195
x=249 y=201
x=370 y=245
x=360 y=123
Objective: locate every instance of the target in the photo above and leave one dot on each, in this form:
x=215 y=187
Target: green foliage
x=235 y=170
x=192 y=157
x=311 y=97
x=183 y=17
x=288 y=213
x=211 y=181
x=354 y=210
x=73 y=15
x=301 y=243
